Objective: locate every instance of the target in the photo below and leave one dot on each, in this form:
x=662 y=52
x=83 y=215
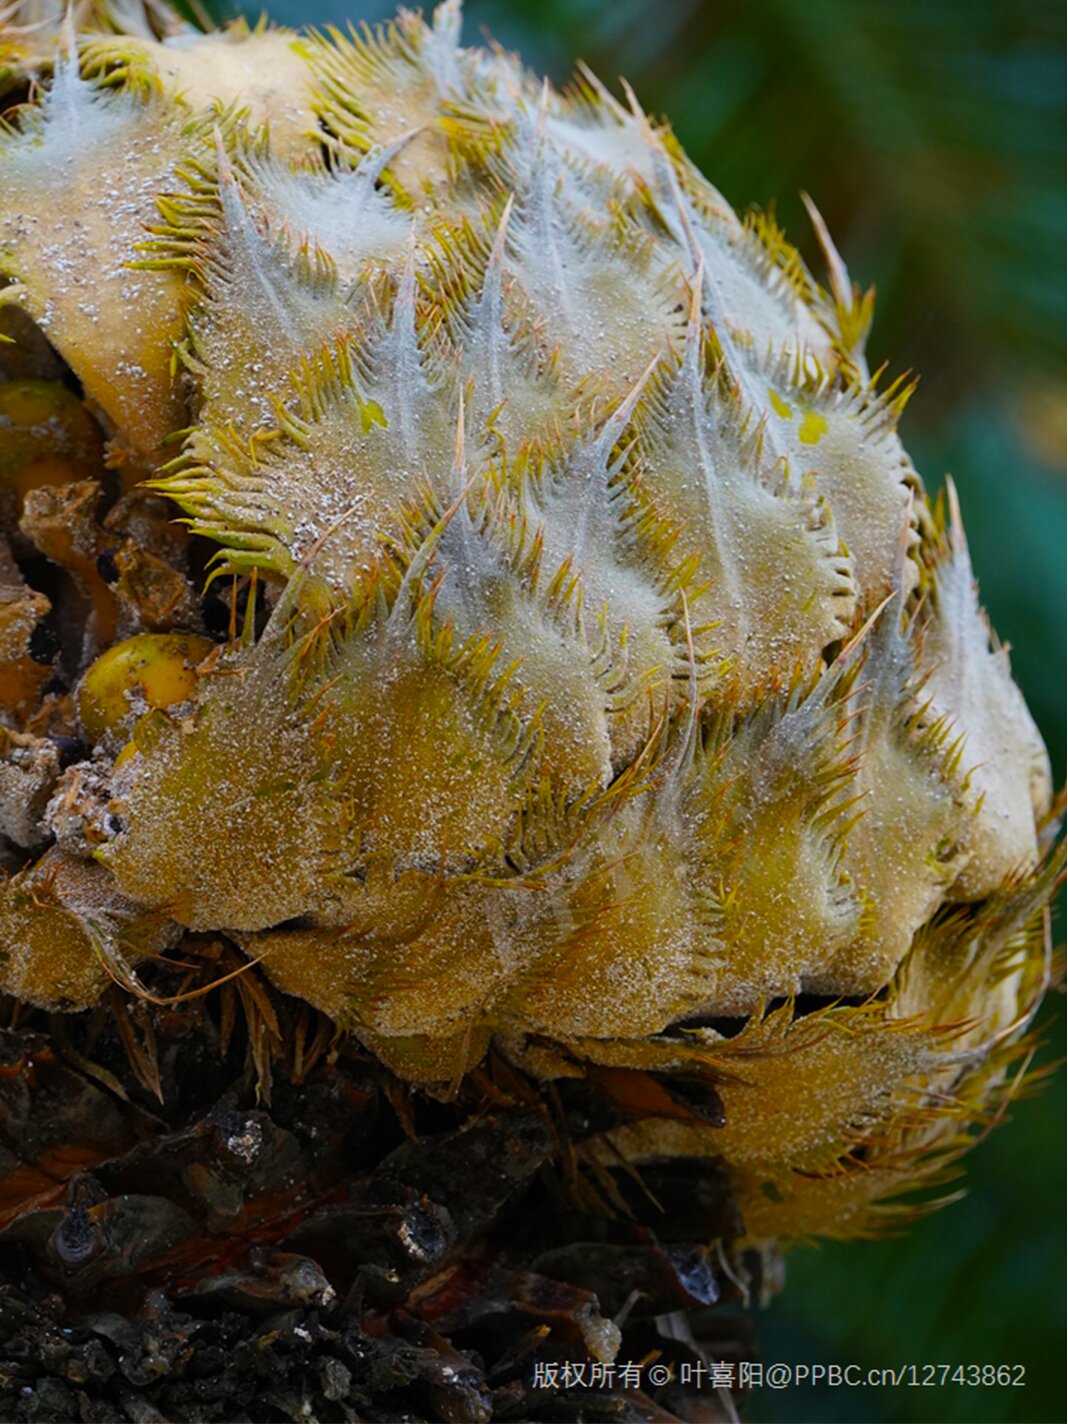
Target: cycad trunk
x=187 y=1240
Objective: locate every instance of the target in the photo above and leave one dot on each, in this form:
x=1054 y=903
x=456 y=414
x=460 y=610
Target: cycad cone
x=620 y=684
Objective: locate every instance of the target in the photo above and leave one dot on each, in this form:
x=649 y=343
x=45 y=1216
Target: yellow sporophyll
x=583 y=667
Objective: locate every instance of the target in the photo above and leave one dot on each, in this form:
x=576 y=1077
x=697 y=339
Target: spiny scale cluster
x=618 y=684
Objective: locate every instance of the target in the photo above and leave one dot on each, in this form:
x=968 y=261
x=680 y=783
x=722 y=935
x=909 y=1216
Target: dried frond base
x=185 y=1239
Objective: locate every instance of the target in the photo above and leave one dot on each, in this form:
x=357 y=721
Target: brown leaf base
x=197 y=1223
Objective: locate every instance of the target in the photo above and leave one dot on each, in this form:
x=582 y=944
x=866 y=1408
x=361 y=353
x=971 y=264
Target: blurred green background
x=931 y=135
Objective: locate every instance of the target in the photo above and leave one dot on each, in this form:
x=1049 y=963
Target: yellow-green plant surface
x=605 y=684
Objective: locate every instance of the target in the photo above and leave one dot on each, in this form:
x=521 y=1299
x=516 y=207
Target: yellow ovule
x=158 y=667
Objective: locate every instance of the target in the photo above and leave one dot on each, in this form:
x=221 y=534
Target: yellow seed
x=47 y=437
x=161 y=667
x=28 y=403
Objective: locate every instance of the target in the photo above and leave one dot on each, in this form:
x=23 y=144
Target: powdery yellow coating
x=105 y=155
x=262 y=71
x=68 y=932
x=1007 y=770
x=243 y=798
x=779 y=584
x=619 y=685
